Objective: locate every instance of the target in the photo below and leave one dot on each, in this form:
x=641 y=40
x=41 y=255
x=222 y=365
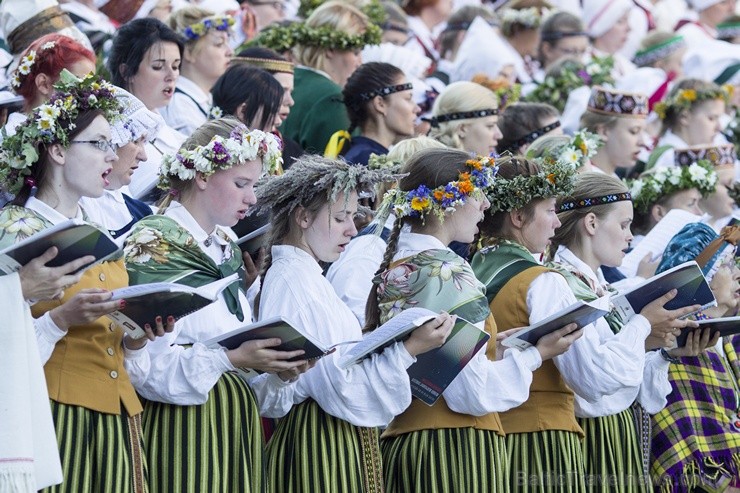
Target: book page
x=657 y=239
x=397 y=327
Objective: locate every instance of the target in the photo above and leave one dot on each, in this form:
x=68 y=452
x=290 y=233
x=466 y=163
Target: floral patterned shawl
x=160 y=250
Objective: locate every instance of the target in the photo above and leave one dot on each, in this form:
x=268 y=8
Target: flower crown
x=201 y=28
x=445 y=198
x=506 y=92
x=530 y=17
x=581 y=147
x=26 y=65
x=573 y=74
x=661 y=182
x=382 y=161
x=683 y=99
x=554 y=180
x=222 y=153
x=283 y=38
x=373 y=10
x=52 y=122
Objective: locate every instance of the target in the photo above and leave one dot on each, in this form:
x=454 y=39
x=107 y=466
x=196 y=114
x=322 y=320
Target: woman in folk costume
x=352 y=274
x=425 y=449
x=691 y=115
x=719 y=207
x=198 y=409
x=543 y=437
x=63 y=151
x=426 y=19
x=619 y=119
x=326 y=48
x=116 y=210
x=696 y=437
x=329 y=441
x=145 y=60
x=523 y=123
x=607 y=24
x=379 y=103
x=206 y=57
x=562 y=34
x=520 y=30
x=701 y=28
x=616 y=448
x=465 y=117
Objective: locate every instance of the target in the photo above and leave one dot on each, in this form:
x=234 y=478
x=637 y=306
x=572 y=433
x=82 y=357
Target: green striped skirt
x=463 y=460
x=213 y=447
x=313 y=451
x=99 y=452
x=546 y=461
x=611 y=451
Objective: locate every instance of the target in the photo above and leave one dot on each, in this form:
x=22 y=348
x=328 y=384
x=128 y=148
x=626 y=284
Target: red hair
x=65 y=53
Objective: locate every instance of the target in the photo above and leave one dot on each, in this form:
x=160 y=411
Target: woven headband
x=462 y=115
x=268 y=64
x=385 y=91
x=556 y=35
x=660 y=51
x=594 y=201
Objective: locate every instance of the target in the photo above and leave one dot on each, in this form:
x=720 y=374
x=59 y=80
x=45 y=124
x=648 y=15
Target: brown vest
x=419 y=416
x=86 y=367
x=551 y=402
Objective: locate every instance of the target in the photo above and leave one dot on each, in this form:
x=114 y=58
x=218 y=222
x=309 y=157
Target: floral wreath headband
x=582 y=146
x=422 y=201
x=382 y=161
x=555 y=179
x=660 y=182
x=659 y=51
x=193 y=32
x=461 y=115
x=684 y=99
x=283 y=38
x=718 y=155
x=222 y=153
x=51 y=123
x=26 y=65
x=530 y=17
x=573 y=74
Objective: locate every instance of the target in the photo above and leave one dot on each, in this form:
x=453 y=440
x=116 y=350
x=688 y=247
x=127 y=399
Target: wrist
x=58 y=318
x=668 y=357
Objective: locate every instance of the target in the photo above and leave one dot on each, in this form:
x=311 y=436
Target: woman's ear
x=201 y=181
x=657 y=212
x=517 y=218
x=302 y=217
x=240 y=113
x=187 y=54
x=57 y=153
x=602 y=131
x=379 y=105
x=461 y=130
x=590 y=223
x=44 y=84
x=683 y=118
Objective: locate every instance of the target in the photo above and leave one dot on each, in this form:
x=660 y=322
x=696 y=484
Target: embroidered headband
x=570 y=205
x=717 y=155
x=201 y=28
x=385 y=91
x=268 y=64
x=726 y=30
x=558 y=35
x=611 y=102
x=535 y=134
x=652 y=54
x=462 y=115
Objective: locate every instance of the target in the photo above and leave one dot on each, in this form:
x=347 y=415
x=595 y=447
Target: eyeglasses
x=101 y=145
x=275 y=5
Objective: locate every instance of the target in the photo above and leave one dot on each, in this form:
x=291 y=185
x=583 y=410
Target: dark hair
x=520 y=119
x=368 y=77
x=430 y=167
x=257 y=89
x=131 y=43
x=38 y=169
x=556 y=27
x=492 y=228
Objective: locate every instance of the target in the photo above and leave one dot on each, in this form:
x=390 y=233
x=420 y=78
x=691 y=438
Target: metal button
x=101 y=277
x=114 y=374
x=111 y=326
x=110 y=351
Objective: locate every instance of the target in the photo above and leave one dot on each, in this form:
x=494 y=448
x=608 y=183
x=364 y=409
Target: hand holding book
x=262 y=355
x=431 y=334
x=663 y=322
x=42 y=282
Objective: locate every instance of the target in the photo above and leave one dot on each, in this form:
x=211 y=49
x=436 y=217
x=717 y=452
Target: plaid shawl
x=694 y=441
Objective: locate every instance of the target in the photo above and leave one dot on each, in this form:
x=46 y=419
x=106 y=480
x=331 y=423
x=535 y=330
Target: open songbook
x=145 y=302
x=254 y=240
x=687 y=278
x=725 y=326
x=581 y=313
x=73 y=238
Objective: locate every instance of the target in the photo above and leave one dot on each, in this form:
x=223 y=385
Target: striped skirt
x=99 y=452
x=612 y=454
x=213 y=447
x=546 y=461
x=312 y=451
x=462 y=460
